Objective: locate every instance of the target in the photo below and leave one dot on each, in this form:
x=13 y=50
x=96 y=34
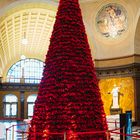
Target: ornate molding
x=131 y=70
x=18 y=87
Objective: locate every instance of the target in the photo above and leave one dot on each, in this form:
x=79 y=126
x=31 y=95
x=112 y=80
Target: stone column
x=1 y=106
x=22 y=104
x=137 y=98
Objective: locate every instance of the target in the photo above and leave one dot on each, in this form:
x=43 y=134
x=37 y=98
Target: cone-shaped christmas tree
x=68 y=99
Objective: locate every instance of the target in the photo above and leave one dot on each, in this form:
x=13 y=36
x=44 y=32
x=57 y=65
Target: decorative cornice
x=18 y=87
x=131 y=70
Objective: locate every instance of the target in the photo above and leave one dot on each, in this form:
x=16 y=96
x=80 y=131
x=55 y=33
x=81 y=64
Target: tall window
x=30 y=101
x=26 y=71
x=10 y=105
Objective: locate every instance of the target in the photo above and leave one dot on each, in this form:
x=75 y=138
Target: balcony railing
x=23 y=80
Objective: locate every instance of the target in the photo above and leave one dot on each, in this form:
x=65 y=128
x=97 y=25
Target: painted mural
x=117 y=93
x=111 y=20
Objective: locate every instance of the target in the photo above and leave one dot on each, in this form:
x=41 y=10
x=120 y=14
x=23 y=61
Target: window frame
x=28 y=70
x=5 y=103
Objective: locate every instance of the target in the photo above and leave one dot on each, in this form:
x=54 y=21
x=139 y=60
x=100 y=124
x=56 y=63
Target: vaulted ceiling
x=33 y=24
x=31 y=21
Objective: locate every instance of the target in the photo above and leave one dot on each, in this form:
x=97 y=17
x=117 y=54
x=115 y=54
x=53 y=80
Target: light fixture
x=22 y=57
x=24 y=41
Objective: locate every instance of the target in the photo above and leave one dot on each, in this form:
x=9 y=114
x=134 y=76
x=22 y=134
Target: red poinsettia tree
x=69 y=99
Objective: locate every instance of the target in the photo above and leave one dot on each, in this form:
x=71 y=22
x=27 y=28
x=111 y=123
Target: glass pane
x=32 y=98
x=7 y=110
x=10 y=98
x=14 y=109
x=28 y=69
x=30 y=109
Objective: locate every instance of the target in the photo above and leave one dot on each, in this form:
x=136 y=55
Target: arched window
x=10 y=105
x=26 y=71
x=30 y=104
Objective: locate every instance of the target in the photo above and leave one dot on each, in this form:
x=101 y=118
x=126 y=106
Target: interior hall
x=113 y=32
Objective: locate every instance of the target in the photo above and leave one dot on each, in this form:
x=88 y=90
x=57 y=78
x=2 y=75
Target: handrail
x=45 y=133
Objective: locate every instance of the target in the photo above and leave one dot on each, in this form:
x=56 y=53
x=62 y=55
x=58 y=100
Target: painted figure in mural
x=112 y=20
